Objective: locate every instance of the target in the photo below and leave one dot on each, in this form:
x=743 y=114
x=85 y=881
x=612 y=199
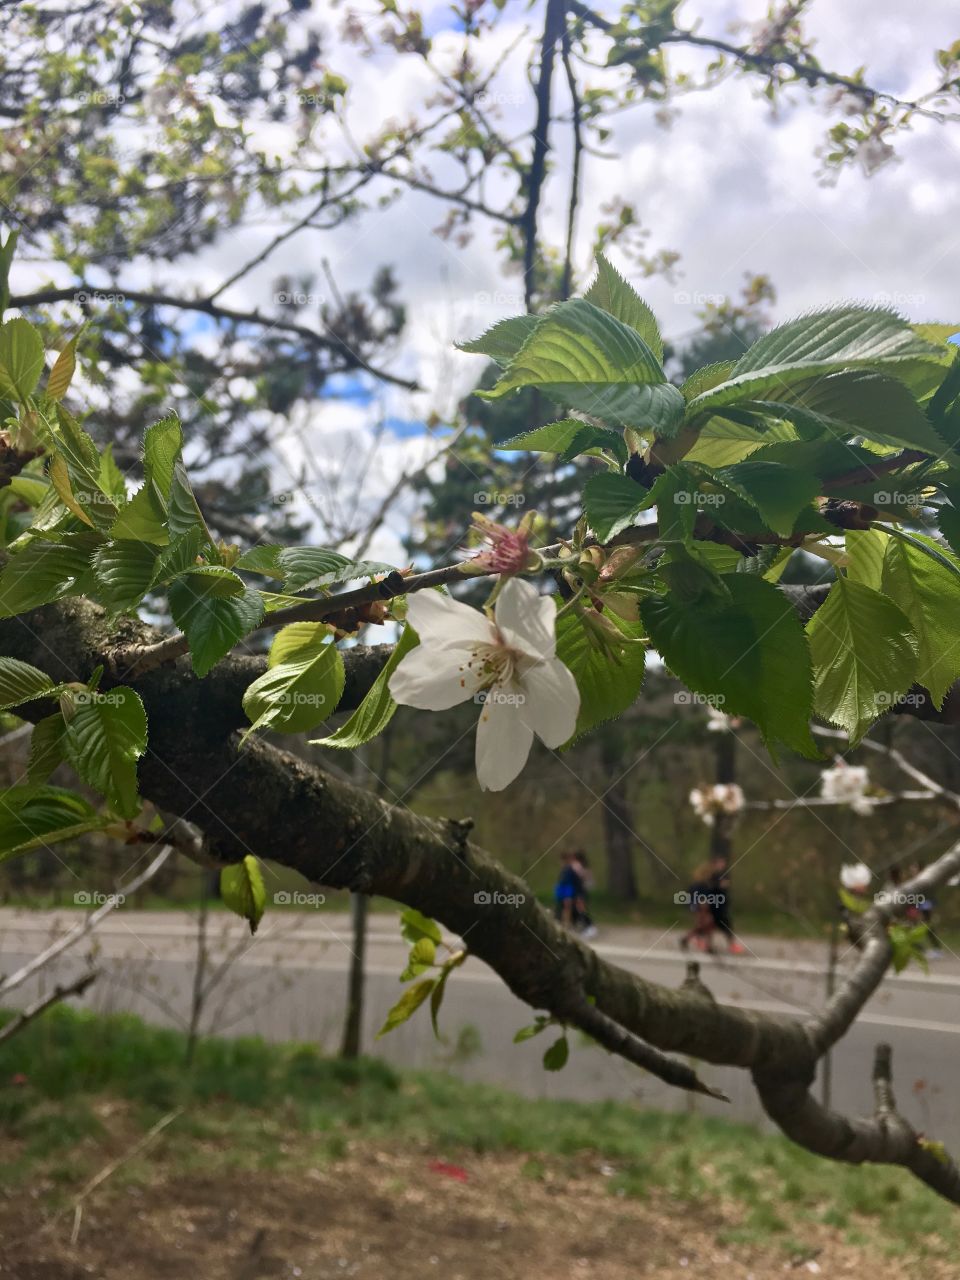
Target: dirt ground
x=399 y=1216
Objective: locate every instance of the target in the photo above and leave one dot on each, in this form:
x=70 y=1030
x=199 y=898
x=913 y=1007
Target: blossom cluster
x=847 y=784
x=721 y=797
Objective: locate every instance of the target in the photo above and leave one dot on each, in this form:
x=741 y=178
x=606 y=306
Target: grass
x=248 y=1103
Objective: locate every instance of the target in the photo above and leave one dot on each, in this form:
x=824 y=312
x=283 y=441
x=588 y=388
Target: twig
x=34 y=1010
x=87 y=925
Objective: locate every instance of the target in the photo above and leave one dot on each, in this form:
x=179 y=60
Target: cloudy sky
x=730 y=186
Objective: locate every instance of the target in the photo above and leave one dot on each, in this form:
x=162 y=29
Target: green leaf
x=948 y=522
x=124 y=572
x=41 y=573
x=569 y=438
x=144 y=518
x=414 y=926
x=262 y=559
x=535 y=1028
x=47 y=750
x=503 y=340
x=303 y=681
x=612 y=503
x=309 y=568
x=857 y=402
x=211 y=621
x=746 y=649
x=852 y=902
x=555 y=1058
x=111 y=477
x=587 y=360
x=242 y=890
x=106 y=735
x=612 y=294
x=376 y=710
x=183 y=510
x=865 y=551
x=61 y=375
x=19 y=682
x=407 y=1005
x=778 y=492
x=864 y=656
x=820 y=343
x=180 y=556
x=422 y=956
x=21 y=358
x=929 y=595
x=162 y=446
x=36 y=817
x=607 y=685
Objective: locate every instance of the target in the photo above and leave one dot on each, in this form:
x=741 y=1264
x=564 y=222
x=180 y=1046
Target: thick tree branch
x=337 y=835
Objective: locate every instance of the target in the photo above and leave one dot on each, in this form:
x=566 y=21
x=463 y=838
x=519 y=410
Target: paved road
x=289 y=983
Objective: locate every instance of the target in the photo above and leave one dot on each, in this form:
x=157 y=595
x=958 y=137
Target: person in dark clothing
x=582 y=918
x=704 y=926
x=568 y=891
x=719 y=891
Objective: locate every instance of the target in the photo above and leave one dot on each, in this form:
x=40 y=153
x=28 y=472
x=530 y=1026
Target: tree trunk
x=618 y=835
x=353 y=1023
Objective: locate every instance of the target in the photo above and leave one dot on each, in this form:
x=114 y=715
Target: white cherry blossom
x=855 y=876
x=510 y=660
x=847 y=784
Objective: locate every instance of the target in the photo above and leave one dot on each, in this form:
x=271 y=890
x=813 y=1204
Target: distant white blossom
x=847 y=784
x=722 y=797
x=855 y=876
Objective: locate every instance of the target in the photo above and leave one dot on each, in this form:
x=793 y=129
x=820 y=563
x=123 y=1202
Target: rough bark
x=260 y=800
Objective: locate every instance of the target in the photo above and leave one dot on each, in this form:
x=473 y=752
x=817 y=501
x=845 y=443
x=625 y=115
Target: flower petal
x=440 y=620
x=526 y=618
x=434 y=679
x=503 y=739
x=552 y=701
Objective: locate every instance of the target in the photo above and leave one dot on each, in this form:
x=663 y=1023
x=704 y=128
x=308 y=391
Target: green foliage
x=608 y=665
x=33 y=817
x=928 y=593
x=242 y=890
x=214 y=610
x=303 y=681
x=19 y=683
x=743 y=647
x=864 y=654
x=376 y=710
x=105 y=736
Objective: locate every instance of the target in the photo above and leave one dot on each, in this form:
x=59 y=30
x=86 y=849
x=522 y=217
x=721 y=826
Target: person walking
x=719 y=896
